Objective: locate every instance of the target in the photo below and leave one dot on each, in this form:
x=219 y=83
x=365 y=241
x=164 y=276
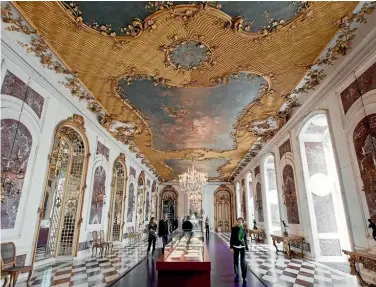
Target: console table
x=257 y=232
x=368 y=261
x=287 y=240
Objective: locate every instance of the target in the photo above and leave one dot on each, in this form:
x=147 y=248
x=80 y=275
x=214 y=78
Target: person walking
x=238 y=246
x=176 y=223
x=152 y=230
x=163 y=230
x=207 y=226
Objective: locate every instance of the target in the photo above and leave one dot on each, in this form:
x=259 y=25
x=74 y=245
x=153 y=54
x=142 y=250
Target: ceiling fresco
x=209 y=81
x=120 y=14
x=183 y=118
x=210 y=167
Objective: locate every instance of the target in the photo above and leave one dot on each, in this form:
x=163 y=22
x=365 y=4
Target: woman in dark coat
x=152 y=229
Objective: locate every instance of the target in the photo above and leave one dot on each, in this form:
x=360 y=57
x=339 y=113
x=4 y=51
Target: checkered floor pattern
x=276 y=270
x=90 y=271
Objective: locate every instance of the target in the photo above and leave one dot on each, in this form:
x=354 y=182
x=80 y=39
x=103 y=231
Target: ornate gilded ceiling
x=190 y=80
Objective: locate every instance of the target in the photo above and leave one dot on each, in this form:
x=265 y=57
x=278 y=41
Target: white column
x=237 y=199
x=248 y=217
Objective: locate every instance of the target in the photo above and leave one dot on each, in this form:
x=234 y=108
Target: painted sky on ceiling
x=208 y=166
x=120 y=13
x=193 y=117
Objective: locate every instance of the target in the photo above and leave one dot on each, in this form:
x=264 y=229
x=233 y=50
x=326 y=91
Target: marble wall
x=98 y=196
x=44 y=105
x=16 y=142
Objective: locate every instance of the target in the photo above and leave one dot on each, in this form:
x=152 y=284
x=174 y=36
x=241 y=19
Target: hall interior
x=115 y=113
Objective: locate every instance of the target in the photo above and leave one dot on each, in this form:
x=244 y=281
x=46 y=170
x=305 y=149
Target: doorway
x=60 y=213
x=222 y=214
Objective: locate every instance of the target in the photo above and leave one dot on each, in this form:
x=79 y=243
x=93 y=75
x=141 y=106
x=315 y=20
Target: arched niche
x=118 y=199
x=14 y=110
x=16 y=145
x=140 y=201
x=60 y=211
x=259 y=207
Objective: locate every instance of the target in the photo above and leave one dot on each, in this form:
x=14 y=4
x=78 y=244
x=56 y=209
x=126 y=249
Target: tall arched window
x=16 y=142
x=61 y=208
x=117 y=207
x=329 y=228
x=274 y=218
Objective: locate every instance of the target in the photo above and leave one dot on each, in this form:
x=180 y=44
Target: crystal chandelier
x=192 y=181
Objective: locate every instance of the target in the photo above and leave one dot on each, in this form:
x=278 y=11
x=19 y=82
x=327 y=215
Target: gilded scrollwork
x=247 y=137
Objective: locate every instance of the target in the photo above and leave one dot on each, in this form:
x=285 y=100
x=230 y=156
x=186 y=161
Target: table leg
x=354 y=271
x=275 y=245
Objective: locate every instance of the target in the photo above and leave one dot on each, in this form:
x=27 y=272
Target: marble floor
x=126 y=266
x=222 y=270
x=90 y=271
x=276 y=270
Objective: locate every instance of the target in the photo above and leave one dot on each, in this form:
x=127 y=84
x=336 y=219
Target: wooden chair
x=108 y=244
x=8 y=263
x=131 y=234
x=4 y=276
x=97 y=243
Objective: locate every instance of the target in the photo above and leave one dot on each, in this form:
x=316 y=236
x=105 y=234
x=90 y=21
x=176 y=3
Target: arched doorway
x=222 y=210
x=141 y=194
x=169 y=202
x=118 y=196
x=274 y=218
x=61 y=208
x=326 y=211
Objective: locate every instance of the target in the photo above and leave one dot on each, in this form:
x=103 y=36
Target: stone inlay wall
x=103 y=150
x=15 y=162
x=290 y=194
x=131 y=202
x=132 y=171
x=13 y=86
x=284 y=148
x=260 y=210
x=257 y=170
x=362 y=136
x=366 y=83
x=97 y=201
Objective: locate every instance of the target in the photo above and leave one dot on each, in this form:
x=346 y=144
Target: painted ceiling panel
x=171 y=80
x=193 y=118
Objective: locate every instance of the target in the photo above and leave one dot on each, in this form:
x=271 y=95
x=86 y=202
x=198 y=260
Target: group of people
x=238 y=239
x=165 y=228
